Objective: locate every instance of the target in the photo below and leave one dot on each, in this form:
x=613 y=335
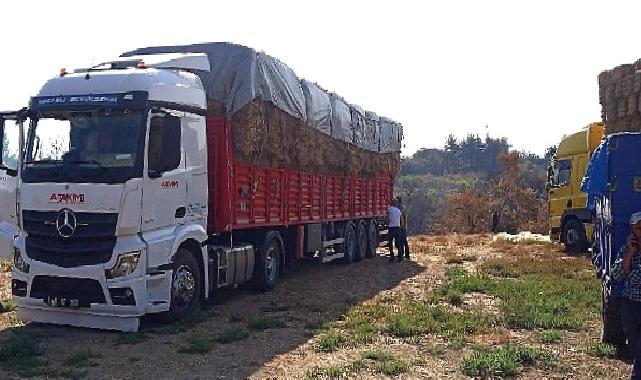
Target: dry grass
x=372 y=319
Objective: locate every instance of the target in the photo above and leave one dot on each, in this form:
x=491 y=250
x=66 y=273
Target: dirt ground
x=313 y=295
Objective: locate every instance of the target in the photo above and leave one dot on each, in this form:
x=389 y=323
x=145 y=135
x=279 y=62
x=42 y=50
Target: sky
x=524 y=70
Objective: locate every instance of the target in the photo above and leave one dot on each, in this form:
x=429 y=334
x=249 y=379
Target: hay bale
x=266 y=136
x=619 y=91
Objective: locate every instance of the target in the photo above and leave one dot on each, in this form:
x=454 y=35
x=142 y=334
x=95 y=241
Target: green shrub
x=330 y=342
x=232 y=335
x=549 y=336
x=378 y=355
x=19 y=354
x=198 y=345
x=261 y=323
x=392 y=367
x=81 y=359
x=130 y=338
x=504 y=361
x=601 y=350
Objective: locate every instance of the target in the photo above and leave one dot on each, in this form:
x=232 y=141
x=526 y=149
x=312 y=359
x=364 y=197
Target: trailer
x=613 y=181
x=150 y=181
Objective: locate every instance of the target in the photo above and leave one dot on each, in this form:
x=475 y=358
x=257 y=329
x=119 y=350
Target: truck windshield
x=96 y=146
x=562 y=173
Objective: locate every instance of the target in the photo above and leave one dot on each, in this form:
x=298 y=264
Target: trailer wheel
x=267 y=268
x=372 y=239
x=574 y=237
x=361 y=242
x=186 y=286
x=349 y=245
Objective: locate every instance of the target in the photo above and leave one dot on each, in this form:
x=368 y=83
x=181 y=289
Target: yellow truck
x=570 y=219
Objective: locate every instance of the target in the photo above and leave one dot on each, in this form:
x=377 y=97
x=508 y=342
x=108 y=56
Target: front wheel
x=574 y=237
x=186 y=286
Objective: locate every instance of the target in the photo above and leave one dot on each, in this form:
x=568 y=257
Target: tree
x=515 y=203
x=517 y=206
x=549 y=153
x=465 y=212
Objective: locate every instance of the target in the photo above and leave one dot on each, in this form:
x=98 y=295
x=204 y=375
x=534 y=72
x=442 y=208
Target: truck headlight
x=126 y=264
x=18 y=262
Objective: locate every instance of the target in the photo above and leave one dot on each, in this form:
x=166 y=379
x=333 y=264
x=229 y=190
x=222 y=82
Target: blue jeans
x=396 y=238
x=631 y=318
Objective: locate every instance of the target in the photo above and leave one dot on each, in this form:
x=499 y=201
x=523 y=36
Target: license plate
x=62 y=302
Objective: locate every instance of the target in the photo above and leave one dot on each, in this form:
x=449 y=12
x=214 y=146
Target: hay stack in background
x=619 y=91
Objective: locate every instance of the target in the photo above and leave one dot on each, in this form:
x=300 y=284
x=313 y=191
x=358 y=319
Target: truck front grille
x=91 y=243
x=85 y=290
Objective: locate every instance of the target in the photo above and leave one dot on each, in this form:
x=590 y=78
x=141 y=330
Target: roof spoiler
x=177 y=61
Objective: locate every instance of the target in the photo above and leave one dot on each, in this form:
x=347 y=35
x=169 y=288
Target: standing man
x=627 y=268
x=406 y=246
x=394 y=216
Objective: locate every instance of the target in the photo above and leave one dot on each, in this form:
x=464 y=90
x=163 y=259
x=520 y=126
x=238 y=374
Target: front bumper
x=84 y=297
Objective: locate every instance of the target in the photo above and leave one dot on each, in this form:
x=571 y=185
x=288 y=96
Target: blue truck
x=613 y=182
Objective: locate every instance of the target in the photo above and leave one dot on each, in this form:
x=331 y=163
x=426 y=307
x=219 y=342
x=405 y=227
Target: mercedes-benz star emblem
x=66 y=223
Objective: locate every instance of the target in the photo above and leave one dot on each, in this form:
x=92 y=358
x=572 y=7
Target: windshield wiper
x=47 y=161
x=85 y=162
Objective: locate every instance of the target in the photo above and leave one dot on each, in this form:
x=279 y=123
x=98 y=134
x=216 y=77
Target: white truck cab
x=113 y=194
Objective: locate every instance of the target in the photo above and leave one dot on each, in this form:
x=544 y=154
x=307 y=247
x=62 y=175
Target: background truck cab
x=570 y=219
x=10 y=128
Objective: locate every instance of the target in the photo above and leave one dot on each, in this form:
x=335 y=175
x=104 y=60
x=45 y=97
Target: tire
x=372 y=239
x=361 y=242
x=268 y=263
x=186 y=286
x=574 y=237
x=612 y=331
x=349 y=245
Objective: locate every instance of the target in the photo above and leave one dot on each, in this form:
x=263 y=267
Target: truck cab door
x=560 y=194
x=164 y=181
x=579 y=166
x=10 y=131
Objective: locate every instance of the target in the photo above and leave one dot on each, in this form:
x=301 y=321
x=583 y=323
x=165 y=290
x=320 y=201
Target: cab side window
x=164 y=144
x=562 y=172
x=10 y=150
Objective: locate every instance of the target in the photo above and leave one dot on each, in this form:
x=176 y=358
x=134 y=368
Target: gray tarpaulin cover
x=318 y=107
x=341 y=118
x=358 y=125
x=240 y=74
x=372 y=127
x=390 y=136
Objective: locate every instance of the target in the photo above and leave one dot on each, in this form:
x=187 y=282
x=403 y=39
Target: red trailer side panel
x=246 y=196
